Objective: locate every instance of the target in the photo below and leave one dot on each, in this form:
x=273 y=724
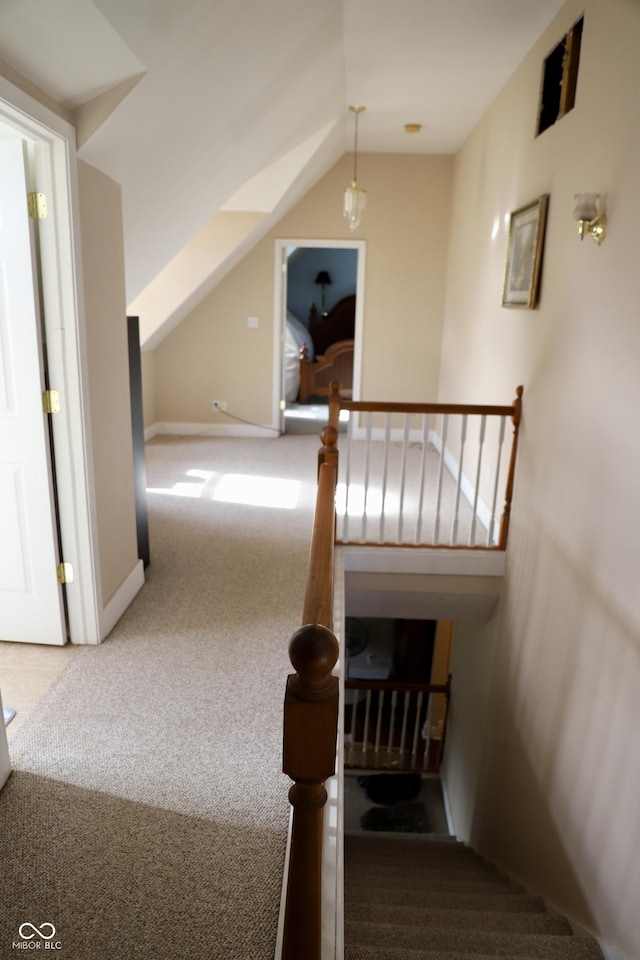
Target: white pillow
x=300 y=334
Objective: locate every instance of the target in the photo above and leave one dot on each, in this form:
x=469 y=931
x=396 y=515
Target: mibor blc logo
x=34 y=938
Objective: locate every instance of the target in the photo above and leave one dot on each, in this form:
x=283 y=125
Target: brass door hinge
x=37 y=203
x=51 y=401
x=65 y=573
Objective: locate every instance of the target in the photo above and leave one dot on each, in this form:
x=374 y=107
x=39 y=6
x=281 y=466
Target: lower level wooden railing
x=396 y=726
x=310 y=733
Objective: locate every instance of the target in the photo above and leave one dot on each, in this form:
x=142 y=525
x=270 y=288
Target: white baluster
x=385 y=469
x=490 y=537
x=456 y=509
x=347 y=481
x=403 y=471
x=472 y=532
x=363 y=529
x=423 y=466
x=445 y=428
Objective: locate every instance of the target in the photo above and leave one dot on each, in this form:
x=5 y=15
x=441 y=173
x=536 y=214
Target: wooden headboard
x=339 y=324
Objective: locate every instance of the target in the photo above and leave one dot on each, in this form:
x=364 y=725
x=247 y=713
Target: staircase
x=409 y=899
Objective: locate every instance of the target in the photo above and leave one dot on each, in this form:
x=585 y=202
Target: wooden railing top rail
x=398 y=685
x=378 y=406
x=337 y=403
x=318 y=595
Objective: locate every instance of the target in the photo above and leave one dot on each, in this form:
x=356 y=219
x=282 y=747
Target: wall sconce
x=323 y=280
x=590 y=220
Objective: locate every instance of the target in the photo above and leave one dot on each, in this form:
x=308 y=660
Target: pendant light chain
x=355 y=150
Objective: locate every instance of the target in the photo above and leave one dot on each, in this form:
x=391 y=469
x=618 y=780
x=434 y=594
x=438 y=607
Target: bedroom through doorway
x=320 y=304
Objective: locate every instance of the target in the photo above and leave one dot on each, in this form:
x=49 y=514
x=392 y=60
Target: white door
x=31 y=603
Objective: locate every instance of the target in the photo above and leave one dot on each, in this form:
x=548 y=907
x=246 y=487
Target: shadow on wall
x=559 y=777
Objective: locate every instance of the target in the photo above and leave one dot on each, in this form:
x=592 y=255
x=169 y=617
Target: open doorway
x=319 y=300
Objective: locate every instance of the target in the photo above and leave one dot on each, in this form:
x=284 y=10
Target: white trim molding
x=210 y=430
x=116 y=606
x=53 y=167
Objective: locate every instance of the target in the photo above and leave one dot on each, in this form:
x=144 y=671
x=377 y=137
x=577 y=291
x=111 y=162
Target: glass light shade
x=355 y=201
x=586 y=207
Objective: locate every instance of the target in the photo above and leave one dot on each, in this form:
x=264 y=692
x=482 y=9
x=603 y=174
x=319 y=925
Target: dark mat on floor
x=399 y=818
x=388 y=788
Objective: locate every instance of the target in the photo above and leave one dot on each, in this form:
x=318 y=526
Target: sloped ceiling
x=213 y=93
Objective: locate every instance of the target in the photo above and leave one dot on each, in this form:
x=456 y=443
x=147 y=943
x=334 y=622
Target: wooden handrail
x=318 y=595
x=506 y=512
x=310 y=733
x=374 y=406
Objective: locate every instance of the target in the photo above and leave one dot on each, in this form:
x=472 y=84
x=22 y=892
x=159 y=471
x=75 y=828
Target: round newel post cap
x=329 y=435
x=313 y=651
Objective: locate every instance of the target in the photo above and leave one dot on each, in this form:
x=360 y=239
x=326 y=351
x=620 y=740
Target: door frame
x=280 y=310
x=53 y=163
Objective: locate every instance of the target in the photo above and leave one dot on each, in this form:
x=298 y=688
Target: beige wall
x=555 y=797
x=213 y=353
x=108 y=368
x=148 y=359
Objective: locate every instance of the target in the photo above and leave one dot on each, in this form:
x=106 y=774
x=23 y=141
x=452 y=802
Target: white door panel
x=31 y=607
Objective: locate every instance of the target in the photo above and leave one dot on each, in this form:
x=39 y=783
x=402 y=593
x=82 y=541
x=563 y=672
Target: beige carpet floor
x=147 y=813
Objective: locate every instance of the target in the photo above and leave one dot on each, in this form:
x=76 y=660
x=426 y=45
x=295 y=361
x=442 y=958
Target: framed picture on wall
x=524 y=254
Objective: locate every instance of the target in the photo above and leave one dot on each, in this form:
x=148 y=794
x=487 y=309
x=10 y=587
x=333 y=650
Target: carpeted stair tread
x=411 y=855
x=434 y=880
x=365 y=952
x=485 y=920
x=414 y=902
x=427 y=869
x=394 y=845
x=481 y=899
x=382 y=891
x=466 y=941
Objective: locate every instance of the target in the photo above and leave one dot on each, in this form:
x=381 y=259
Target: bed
x=325 y=352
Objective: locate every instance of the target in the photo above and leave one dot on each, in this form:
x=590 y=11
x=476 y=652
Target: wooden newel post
x=328 y=452
x=334 y=404
x=506 y=513
x=310 y=732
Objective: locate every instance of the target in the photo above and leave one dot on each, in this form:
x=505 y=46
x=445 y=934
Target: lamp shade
x=355 y=200
x=586 y=207
x=323 y=279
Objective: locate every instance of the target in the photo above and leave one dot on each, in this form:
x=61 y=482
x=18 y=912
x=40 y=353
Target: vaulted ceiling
x=208 y=105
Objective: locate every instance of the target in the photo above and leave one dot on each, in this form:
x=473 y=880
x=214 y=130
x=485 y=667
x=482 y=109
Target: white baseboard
x=610 y=953
x=113 y=610
x=210 y=430
x=447 y=806
x=5 y=761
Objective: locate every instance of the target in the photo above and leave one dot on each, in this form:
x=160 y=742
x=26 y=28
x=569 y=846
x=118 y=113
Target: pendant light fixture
x=355 y=198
